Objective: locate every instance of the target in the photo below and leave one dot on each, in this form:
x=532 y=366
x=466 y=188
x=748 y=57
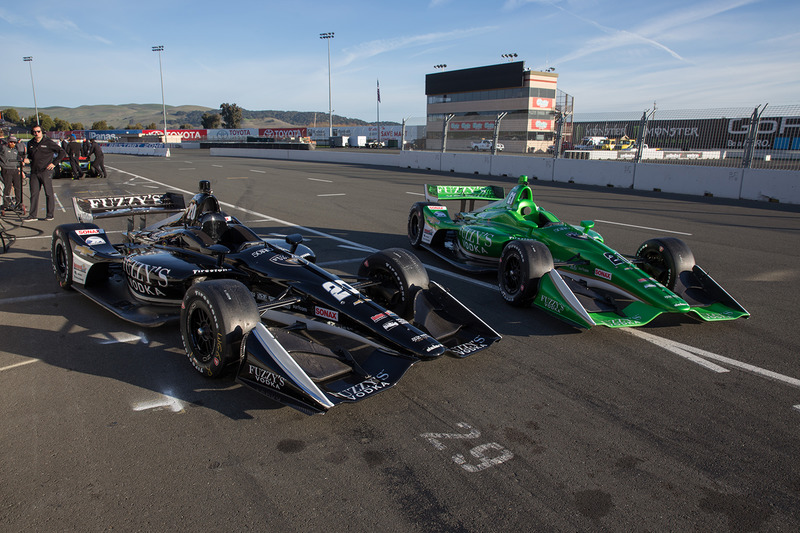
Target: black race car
x=299 y=334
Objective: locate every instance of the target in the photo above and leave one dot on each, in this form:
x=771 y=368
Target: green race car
x=64 y=168
x=565 y=270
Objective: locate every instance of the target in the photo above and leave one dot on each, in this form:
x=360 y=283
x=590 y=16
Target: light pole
x=160 y=49
x=328 y=36
x=29 y=60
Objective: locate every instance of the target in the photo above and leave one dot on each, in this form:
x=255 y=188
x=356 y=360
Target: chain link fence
x=763 y=136
x=760 y=137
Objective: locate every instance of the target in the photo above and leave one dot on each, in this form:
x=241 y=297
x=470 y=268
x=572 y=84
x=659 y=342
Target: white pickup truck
x=485 y=144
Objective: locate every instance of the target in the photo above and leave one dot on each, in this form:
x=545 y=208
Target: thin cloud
x=66 y=26
x=381 y=46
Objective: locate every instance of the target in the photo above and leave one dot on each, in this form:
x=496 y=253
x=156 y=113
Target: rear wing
x=488 y=193
x=89 y=209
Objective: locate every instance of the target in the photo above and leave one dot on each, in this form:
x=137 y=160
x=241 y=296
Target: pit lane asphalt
x=106 y=425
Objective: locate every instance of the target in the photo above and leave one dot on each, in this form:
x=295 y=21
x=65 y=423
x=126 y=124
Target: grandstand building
x=472 y=101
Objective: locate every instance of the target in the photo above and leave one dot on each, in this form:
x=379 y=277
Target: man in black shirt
x=43 y=156
x=11 y=169
x=74 y=152
x=97 y=164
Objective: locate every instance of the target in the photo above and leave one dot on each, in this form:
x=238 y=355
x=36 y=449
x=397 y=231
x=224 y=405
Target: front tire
x=522 y=265
x=400 y=275
x=665 y=258
x=215 y=315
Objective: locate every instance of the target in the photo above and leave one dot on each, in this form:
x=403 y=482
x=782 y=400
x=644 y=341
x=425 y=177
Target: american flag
x=379 y=91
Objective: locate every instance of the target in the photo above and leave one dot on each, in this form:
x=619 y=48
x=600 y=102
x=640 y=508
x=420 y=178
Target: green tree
x=185 y=127
x=62 y=125
x=100 y=125
x=152 y=126
x=231 y=115
x=77 y=126
x=211 y=121
x=47 y=123
x=11 y=115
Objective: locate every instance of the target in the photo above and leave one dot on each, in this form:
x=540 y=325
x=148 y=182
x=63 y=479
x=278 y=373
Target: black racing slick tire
x=522 y=265
x=61 y=252
x=416 y=223
x=665 y=258
x=400 y=275
x=61 y=257
x=215 y=315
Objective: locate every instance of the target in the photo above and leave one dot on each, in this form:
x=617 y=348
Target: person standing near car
x=11 y=169
x=97 y=164
x=74 y=153
x=43 y=156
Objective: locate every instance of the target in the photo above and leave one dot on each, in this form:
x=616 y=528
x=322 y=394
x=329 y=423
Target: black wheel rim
x=201 y=334
x=386 y=293
x=511 y=274
x=656 y=266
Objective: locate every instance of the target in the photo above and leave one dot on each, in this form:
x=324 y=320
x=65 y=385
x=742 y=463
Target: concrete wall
x=723 y=182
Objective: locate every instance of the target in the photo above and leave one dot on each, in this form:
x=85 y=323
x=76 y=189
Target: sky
x=268 y=55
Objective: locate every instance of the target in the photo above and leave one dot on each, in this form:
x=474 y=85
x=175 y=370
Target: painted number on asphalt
x=486 y=455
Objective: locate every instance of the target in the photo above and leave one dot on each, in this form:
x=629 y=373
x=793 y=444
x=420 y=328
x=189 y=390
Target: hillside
x=120 y=116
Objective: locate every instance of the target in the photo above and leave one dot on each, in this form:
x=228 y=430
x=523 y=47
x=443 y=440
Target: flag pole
x=379 y=112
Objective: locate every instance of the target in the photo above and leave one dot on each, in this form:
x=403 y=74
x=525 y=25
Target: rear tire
x=215 y=315
x=416 y=223
x=61 y=252
x=522 y=265
x=400 y=275
x=665 y=258
x=61 y=257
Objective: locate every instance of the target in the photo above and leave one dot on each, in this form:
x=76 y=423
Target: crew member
x=43 y=156
x=11 y=168
x=97 y=164
x=74 y=153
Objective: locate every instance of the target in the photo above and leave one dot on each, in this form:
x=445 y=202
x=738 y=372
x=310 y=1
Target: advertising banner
x=240 y=134
x=279 y=133
x=186 y=135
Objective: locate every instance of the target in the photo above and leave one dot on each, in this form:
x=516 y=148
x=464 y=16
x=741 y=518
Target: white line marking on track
x=23 y=363
x=677 y=348
x=318 y=179
x=796 y=406
x=356 y=248
x=333 y=194
x=187 y=168
x=641 y=227
x=415 y=193
x=681 y=349
x=218 y=166
x=33 y=298
x=254 y=170
x=121 y=337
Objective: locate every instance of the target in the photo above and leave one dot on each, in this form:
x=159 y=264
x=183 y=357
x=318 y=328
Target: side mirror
x=294 y=239
x=587 y=224
x=220 y=251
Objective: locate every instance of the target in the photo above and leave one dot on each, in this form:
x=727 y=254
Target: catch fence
x=762 y=137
